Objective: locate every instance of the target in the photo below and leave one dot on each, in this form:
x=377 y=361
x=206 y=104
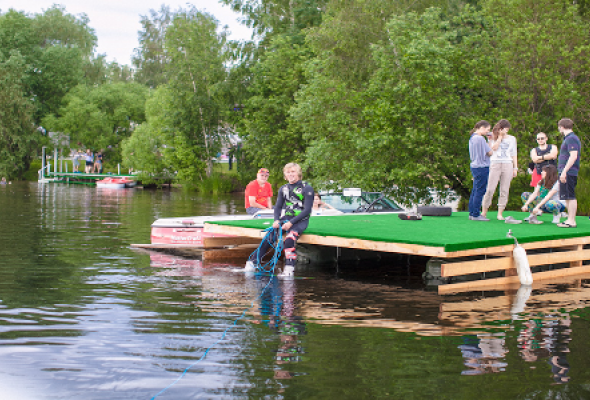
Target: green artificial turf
x=454 y=233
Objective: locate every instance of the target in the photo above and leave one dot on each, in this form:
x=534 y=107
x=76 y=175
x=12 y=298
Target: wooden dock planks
x=557 y=251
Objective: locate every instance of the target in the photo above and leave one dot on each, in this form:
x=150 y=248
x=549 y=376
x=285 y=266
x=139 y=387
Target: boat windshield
x=352 y=203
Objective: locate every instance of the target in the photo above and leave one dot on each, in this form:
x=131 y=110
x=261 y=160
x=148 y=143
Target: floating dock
x=81 y=177
x=463 y=247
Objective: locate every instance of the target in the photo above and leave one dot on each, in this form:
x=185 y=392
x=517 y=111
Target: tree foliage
x=18 y=138
x=428 y=94
x=271 y=138
x=183 y=128
x=100 y=117
x=150 y=57
x=196 y=62
x=275 y=17
x=55 y=46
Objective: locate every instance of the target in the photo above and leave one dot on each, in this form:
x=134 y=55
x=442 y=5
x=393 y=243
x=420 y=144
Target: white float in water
x=522 y=263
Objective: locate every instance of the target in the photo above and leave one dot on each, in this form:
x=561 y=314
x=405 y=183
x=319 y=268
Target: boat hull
x=115 y=183
x=110 y=185
x=170 y=235
x=188 y=230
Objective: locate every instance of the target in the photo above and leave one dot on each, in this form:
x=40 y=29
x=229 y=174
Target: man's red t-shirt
x=262 y=193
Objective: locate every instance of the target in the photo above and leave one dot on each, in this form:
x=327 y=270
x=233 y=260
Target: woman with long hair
x=479 y=153
x=545 y=198
x=503 y=166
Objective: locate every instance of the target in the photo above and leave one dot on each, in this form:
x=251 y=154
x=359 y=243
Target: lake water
x=83 y=316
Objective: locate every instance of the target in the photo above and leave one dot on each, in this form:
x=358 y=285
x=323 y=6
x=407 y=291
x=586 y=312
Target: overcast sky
x=116 y=22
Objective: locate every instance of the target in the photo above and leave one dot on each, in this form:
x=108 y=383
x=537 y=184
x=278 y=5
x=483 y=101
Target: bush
x=583 y=190
x=218 y=183
x=32 y=174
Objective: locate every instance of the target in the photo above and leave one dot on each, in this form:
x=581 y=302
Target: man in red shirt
x=259 y=193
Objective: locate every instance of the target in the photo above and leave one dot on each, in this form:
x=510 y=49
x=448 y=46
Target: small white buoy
x=522 y=263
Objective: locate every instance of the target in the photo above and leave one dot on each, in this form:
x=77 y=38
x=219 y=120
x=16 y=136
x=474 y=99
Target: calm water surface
x=83 y=316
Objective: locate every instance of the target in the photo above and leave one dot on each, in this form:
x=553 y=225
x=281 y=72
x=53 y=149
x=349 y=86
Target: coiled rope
x=267 y=268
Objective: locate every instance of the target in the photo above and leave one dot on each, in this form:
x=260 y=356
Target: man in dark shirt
x=291 y=214
x=568 y=165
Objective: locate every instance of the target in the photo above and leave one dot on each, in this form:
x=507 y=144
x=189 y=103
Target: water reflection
x=84 y=316
x=484 y=353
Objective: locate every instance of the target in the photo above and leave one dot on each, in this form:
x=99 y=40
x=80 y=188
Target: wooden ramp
x=209 y=253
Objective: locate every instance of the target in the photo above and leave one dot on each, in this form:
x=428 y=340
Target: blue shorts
x=567 y=190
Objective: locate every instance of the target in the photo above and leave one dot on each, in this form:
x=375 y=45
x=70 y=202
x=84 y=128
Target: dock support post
x=43 y=161
x=55 y=160
x=578 y=247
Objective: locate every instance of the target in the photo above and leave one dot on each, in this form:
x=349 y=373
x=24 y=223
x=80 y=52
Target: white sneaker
x=556 y=219
x=533 y=220
x=527 y=218
x=288 y=272
x=250 y=266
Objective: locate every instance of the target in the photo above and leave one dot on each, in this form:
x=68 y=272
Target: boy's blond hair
x=296 y=166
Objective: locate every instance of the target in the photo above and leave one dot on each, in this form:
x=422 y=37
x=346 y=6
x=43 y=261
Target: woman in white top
x=503 y=166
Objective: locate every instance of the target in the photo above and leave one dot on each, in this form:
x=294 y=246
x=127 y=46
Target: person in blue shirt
x=479 y=153
x=568 y=165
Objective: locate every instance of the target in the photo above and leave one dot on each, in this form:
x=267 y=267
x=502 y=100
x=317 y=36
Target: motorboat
x=189 y=230
x=115 y=183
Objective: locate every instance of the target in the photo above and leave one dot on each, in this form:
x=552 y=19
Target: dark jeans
x=480 y=183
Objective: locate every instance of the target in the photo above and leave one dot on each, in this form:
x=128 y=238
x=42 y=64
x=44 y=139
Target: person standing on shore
x=98 y=163
x=76 y=162
x=542 y=156
x=89 y=161
x=479 y=153
x=258 y=193
x=503 y=167
x=568 y=165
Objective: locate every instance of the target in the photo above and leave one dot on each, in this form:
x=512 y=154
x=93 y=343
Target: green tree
x=55 y=45
x=270 y=140
x=275 y=17
x=18 y=138
x=98 y=71
x=184 y=116
x=435 y=80
x=542 y=51
x=151 y=149
x=391 y=109
x=102 y=116
x=150 y=58
x=57 y=70
x=55 y=27
x=329 y=106
x=196 y=61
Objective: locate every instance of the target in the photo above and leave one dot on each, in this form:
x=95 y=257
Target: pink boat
x=189 y=230
x=115 y=183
